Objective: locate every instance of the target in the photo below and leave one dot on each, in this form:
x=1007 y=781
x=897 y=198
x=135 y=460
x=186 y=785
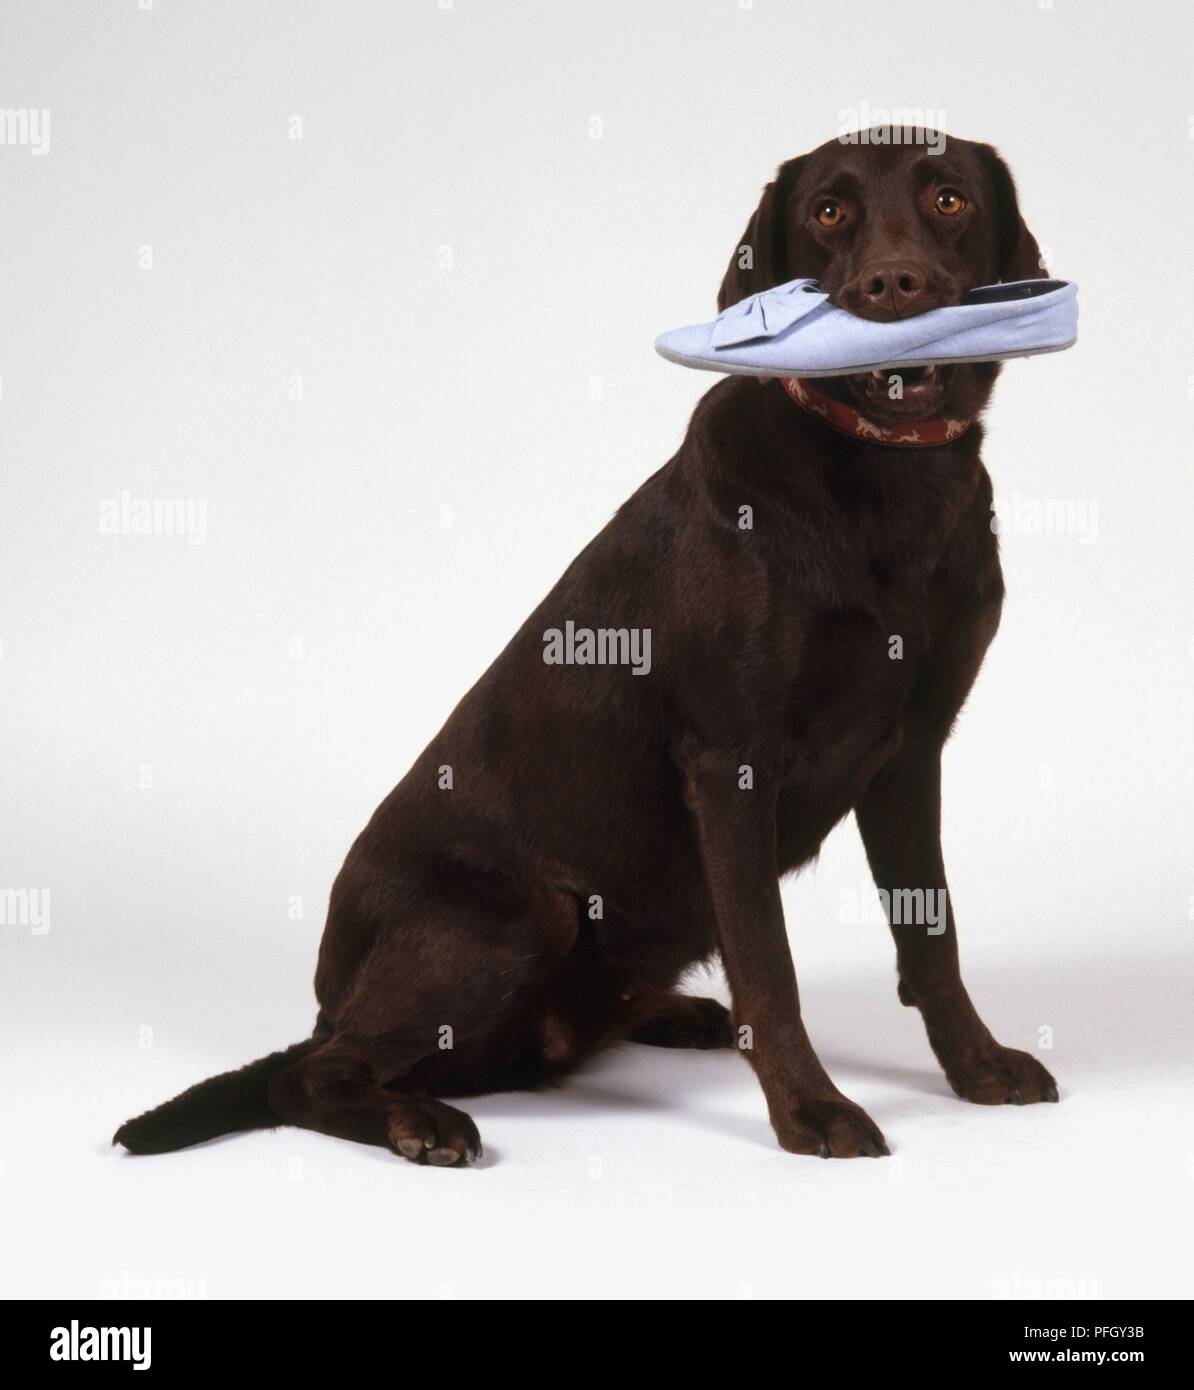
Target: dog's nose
x=894 y=289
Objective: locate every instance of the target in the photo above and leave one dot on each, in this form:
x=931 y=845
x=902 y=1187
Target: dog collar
x=916 y=434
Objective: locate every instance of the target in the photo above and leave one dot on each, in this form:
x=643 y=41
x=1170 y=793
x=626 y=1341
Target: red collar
x=916 y=434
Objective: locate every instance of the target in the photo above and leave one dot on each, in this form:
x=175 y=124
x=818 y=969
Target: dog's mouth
x=900 y=393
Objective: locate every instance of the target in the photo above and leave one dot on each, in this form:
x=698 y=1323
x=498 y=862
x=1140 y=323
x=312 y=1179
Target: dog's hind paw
x=428 y=1131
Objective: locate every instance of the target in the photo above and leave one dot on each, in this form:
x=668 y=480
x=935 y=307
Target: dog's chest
x=851 y=696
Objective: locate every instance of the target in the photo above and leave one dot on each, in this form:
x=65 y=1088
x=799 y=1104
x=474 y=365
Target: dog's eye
x=950 y=202
x=829 y=212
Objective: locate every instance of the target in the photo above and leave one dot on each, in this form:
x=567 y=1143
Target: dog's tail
x=222 y=1104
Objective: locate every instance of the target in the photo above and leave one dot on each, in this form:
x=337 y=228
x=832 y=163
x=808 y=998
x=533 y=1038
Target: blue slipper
x=793 y=330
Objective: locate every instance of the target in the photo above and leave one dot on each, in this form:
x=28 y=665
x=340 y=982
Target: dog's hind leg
x=684 y=1020
x=450 y=1000
x=334 y=1090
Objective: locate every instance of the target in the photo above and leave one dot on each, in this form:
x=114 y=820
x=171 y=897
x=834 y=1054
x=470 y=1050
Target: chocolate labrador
x=779 y=627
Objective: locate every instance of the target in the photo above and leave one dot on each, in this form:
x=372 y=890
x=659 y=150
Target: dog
x=811 y=604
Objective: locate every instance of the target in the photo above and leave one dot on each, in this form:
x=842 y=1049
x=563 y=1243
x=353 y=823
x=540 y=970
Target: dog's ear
x=760 y=258
x=1019 y=255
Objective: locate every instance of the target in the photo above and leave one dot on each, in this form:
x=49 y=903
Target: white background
x=461 y=433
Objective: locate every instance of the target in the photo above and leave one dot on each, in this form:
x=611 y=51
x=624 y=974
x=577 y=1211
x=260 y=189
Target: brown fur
x=469 y=909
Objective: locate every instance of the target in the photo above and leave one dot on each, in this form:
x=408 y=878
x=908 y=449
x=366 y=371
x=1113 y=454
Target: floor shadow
x=1112 y=1018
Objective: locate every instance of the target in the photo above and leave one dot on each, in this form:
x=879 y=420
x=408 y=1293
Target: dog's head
x=891 y=229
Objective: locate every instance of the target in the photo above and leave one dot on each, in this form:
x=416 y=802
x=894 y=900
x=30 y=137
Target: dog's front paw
x=830 y=1128
x=1001 y=1076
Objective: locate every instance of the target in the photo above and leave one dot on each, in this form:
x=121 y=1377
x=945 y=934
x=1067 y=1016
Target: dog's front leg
x=737 y=827
x=900 y=821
